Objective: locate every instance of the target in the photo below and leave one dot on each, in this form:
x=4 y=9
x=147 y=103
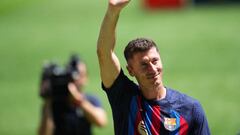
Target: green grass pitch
x=199 y=47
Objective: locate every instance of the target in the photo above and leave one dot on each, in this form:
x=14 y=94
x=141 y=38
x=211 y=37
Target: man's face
x=81 y=80
x=147 y=68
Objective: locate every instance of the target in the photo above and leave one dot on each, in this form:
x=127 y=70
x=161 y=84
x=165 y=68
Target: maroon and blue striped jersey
x=176 y=114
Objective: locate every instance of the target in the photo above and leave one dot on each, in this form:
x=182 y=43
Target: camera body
x=54 y=82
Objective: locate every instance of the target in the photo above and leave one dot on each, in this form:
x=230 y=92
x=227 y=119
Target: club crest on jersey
x=170 y=123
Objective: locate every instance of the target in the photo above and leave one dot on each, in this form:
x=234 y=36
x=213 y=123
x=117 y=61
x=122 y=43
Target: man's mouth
x=153 y=76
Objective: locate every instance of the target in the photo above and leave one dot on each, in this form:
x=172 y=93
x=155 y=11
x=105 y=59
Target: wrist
x=113 y=10
x=80 y=101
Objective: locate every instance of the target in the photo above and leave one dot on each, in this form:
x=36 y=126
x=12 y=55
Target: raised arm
x=108 y=61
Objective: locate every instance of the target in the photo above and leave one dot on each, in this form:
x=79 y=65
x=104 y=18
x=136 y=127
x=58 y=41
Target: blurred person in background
x=146 y=108
x=66 y=109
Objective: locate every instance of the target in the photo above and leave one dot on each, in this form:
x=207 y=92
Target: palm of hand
x=118 y=2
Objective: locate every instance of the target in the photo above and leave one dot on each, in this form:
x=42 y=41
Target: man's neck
x=156 y=93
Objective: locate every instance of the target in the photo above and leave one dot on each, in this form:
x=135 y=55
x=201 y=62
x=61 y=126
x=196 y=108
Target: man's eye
x=144 y=65
x=155 y=61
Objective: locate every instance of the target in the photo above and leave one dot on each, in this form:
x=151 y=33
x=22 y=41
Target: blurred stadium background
x=199 y=47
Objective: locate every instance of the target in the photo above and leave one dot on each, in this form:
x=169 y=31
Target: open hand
x=118 y=3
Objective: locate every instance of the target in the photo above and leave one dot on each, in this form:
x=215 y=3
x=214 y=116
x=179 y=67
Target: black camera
x=55 y=79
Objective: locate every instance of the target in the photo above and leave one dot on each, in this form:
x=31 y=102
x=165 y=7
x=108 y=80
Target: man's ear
x=130 y=71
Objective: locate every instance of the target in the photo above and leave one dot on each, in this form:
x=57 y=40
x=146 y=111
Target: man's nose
x=152 y=68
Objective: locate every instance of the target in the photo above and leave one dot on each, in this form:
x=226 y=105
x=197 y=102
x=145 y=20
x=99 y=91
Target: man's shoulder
x=176 y=96
x=121 y=78
x=121 y=82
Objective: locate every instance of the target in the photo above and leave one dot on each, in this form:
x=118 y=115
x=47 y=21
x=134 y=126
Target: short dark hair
x=138 y=45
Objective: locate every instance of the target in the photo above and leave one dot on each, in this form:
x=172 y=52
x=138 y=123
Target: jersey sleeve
x=200 y=121
x=94 y=100
x=120 y=93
